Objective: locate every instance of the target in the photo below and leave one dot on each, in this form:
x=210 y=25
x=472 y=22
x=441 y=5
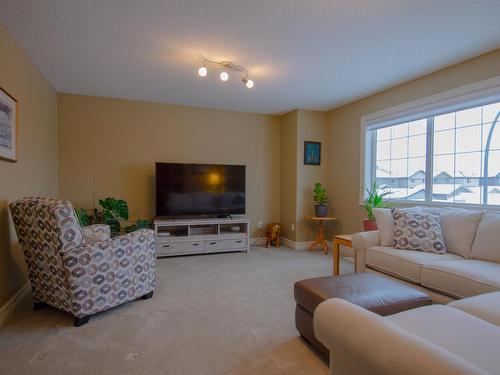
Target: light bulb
x=203 y=71
x=249 y=84
x=224 y=76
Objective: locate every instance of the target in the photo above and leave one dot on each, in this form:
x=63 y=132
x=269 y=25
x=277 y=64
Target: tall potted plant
x=320 y=197
x=374 y=199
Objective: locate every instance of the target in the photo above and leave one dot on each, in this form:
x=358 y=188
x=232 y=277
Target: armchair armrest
x=95 y=233
x=105 y=274
x=362 y=241
x=361 y=342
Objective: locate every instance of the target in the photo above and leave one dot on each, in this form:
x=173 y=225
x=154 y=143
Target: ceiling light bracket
x=228 y=65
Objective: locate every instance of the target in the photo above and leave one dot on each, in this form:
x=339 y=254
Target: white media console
x=197 y=236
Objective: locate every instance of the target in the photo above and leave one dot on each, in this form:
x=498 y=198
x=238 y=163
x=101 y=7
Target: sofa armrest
x=95 y=233
x=362 y=241
x=361 y=342
x=105 y=274
x=140 y=241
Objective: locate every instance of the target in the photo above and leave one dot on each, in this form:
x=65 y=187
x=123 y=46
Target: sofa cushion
x=487 y=240
x=473 y=339
x=485 y=306
x=383 y=217
x=402 y=263
x=418 y=230
x=462 y=278
x=459 y=227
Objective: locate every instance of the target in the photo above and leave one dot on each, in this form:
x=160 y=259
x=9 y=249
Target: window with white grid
x=451 y=158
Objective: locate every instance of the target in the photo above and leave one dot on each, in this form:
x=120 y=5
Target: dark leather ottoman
x=373 y=292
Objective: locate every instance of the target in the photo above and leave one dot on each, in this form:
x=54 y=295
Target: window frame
x=476 y=94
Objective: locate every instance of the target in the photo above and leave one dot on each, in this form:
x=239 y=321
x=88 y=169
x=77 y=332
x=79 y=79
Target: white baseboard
x=297 y=245
x=304 y=245
x=258 y=241
x=262 y=241
x=288 y=243
x=301 y=245
x=8 y=308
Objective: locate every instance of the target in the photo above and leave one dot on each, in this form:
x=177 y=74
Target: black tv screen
x=199 y=189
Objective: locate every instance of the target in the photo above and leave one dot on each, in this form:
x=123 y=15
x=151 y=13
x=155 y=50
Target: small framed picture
x=312 y=153
x=8 y=126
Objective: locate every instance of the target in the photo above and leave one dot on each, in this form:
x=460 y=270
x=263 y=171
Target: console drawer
x=179 y=248
x=195 y=246
x=169 y=247
x=221 y=245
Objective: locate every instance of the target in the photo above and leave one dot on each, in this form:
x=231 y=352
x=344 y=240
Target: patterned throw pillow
x=418 y=231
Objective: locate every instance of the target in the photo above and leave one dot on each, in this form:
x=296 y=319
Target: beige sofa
x=462 y=337
x=471 y=266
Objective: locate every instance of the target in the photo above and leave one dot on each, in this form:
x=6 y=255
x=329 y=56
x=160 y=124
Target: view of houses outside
x=459 y=142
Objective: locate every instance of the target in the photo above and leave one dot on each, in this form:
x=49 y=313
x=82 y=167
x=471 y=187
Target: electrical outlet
x=293 y=227
x=260 y=224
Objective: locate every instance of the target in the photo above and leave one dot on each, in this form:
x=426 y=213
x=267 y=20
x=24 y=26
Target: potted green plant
x=374 y=199
x=321 y=199
x=113 y=212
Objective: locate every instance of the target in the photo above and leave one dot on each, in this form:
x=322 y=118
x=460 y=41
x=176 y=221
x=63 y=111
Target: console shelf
x=198 y=236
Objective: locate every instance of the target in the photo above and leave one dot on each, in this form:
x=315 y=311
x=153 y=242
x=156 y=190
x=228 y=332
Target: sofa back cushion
x=486 y=245
x=459 y=228
x=383 y=217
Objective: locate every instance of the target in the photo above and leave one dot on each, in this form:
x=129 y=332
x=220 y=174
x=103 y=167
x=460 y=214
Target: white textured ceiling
x=314 y=54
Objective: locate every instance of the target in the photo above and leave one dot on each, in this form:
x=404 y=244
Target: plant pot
x=320 y=210
x=369 y=225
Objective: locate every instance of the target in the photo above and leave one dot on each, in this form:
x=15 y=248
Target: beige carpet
x=211 y=314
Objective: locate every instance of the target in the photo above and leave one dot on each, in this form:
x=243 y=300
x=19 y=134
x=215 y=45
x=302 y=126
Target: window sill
x=403 y=203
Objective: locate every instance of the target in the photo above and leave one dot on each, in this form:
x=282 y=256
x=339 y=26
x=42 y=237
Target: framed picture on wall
x=312 y=153
x=8 y=126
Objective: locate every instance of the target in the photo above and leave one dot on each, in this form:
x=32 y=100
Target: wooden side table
x=320 y=237
x=344 y=240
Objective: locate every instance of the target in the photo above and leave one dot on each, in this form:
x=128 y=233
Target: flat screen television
x=200 y=189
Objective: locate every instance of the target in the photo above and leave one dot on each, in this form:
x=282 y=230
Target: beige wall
x=288 y=174
x=345 y=130
x=312 y=126
x=108 y=147
x=35 y=172
x=297 y=179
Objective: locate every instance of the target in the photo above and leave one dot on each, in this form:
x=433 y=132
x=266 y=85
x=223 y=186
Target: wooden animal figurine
x=273 y=235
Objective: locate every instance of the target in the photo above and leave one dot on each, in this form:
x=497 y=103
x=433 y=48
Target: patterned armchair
x=81 y=271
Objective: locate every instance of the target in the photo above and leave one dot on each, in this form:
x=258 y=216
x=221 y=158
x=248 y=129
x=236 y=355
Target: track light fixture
x=203 y=71
x=225 y=66
x=247 y=82
x=224 y=76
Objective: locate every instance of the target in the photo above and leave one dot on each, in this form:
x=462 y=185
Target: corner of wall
x=288 y=174
x=298 y=179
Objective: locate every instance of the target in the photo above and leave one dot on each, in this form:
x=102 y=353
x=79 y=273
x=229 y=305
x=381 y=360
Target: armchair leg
x=81 y=321
x=147 y=296
x=39 y=305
